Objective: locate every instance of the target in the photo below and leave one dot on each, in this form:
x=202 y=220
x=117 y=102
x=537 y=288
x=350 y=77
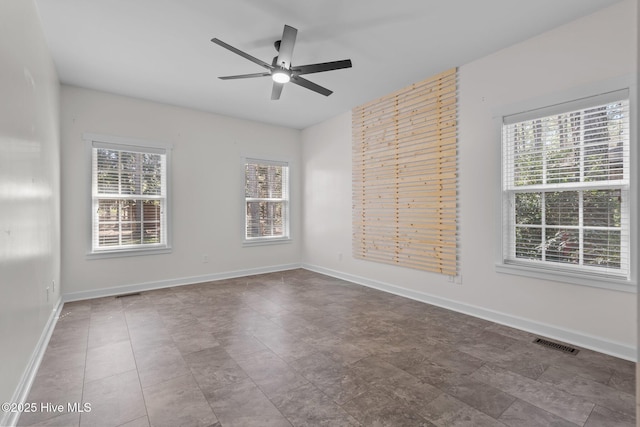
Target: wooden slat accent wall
x=405 y=177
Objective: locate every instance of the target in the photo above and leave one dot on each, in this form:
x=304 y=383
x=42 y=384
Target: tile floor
x=303 y=349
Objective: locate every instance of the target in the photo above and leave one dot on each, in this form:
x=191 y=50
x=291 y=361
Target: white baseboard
x=21 y=393
x=181 y=281
x=580 y=339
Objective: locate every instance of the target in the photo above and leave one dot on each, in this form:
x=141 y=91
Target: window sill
x=266 y=241
x=584 y=279
x=120 y=253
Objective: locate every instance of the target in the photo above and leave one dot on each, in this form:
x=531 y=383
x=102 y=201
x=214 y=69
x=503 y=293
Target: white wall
x=555 y=62
x=29 y=192
x=207 y=192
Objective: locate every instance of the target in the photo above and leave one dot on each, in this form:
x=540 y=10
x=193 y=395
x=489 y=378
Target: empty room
x=333 y=213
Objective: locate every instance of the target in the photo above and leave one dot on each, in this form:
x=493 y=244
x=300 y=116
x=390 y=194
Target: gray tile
x=106 y=313
x=538 y=352
x=522 y=414
x=623 y=382
x=246 y=319
x=544 y=396
x=604 y=360
x=260 y=304
x=376 y=371
x=57 y=383
x=270 y=373
x=144 y=320
x=178 y=402
x=284 y=344
x=316 y=362
x=72 y=334
x=453 y=360
x=159 y=363
x=411 y=391
x=481 y=396
x=154 y=336
x=107 y=329
x=606 y=417
x=341 y=349
x=213 y=369
x=74 y=311
x=377 y=407
x=241 y=345
x=517 y=358
x=63 y=358
x=584 y=368
x=590 y=390
x=193 y=337
x=343 y=386
x=491 y=338
x=109 y=359
x=54 y=386
x=417 y=364
x=449 y=411
x=256 y=421
x=336 y=380
x=140 y=422
x=104 y=305
x=64 y=420
x=114 y=400
x=308 y=406
x=295 y=325
x=243 y=403
x=176 y=317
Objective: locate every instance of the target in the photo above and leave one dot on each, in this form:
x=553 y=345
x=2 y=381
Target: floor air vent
x=128 y=295
x=554 y=345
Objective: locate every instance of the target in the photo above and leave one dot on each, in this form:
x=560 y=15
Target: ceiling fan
x=281 y=70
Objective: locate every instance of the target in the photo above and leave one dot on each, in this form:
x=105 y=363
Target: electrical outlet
x=455 y=279
x=53 y=286
x=339 y=256
x=205 y=258
x=47 y=294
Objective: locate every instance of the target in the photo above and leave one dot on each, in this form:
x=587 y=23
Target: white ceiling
x=160 y=50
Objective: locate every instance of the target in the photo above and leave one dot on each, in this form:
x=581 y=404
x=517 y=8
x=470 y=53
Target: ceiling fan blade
x=286 y=46
x=241 y=53
x=244 y=76
x=276 y=91
x=310 y=85
x=324 y=66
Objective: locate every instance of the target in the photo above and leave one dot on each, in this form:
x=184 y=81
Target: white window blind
x=266 y=200
x=129 y=197
x=405 y=177
x=566 y=187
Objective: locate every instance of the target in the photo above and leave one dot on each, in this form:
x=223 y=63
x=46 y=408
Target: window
x=266 y=193
x=566 y=188
x=129 y=197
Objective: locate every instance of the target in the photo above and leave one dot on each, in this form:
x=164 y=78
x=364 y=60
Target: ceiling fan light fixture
x=281 y=76
x=280 y=69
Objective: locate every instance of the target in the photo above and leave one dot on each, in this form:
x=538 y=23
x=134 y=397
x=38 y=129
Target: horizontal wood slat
x=405 y=177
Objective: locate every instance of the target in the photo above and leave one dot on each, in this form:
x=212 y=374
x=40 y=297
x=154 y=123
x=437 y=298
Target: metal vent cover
x=556 y=346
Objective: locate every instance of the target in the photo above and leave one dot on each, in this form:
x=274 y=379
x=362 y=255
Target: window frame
x=135 y=145
x=266 y=240
x=550 y=105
